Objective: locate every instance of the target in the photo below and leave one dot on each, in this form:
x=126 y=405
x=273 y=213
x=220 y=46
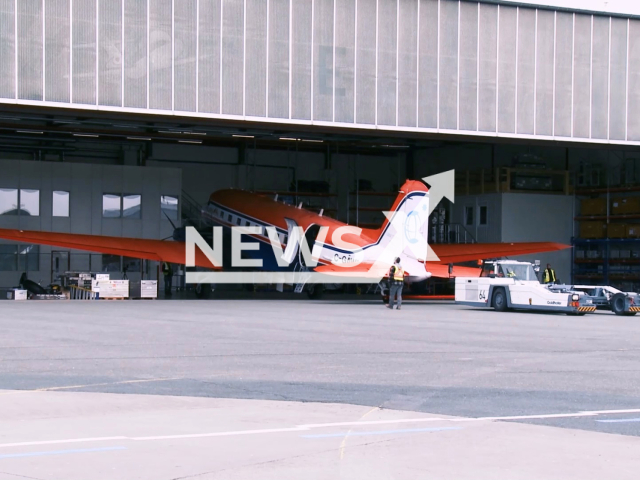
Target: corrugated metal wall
x=432 y=65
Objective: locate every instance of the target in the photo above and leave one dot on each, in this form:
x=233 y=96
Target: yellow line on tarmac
x=70 y=387
x=343 y=445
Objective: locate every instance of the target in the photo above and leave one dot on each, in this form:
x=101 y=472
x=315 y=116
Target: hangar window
x=468 y=216
x=131 y=206
x=60 y=204
x=482 y=215
x=24 y=258
x=131 y=265
x=111 y=263
x=238 y=221
x=29 y=202
x=20 y=202
x=229 y=218
x=28 y=258
x=8 y=201
x=111 y=205
x=8 y=258
x=169 y=206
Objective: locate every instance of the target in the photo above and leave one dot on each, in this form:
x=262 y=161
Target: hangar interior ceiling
x=240 y=155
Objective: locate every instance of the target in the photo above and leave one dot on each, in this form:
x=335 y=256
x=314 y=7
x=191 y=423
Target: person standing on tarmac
x=396 y=282
x=167 y=271
x=549 y=275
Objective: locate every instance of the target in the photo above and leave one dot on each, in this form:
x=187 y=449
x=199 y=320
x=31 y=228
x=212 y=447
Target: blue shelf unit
x=614 y=262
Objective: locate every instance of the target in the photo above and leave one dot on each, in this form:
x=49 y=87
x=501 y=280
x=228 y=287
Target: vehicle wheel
x=203 y=290
x=315 y=291
x=617 y=304
x=500 y=300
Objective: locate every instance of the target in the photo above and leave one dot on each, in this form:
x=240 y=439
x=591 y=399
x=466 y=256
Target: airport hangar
x=120 y=117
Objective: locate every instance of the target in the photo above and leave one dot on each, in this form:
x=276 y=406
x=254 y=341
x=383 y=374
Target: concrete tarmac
x=301 y=389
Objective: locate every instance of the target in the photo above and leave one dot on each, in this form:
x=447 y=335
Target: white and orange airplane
x=334 y=252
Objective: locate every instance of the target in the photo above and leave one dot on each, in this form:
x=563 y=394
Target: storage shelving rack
x=608 y=261
x=370 y=211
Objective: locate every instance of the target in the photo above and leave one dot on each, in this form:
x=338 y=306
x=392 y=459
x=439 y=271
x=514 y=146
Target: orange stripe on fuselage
x=266 y=209
x=274 y=213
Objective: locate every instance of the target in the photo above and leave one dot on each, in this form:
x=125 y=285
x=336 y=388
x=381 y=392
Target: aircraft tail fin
x=412 y=203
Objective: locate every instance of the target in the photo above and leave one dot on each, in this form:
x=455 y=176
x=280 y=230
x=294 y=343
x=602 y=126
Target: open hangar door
x=133 y=178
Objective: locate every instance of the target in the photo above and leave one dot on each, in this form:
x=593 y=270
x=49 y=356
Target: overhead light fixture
x=395 y=146
x=190 y=141
x=243 y=136
x=30 y=131
x=194 y=133
x=289 y=139
x=10 y=118
x=93 y=135
x=312 y=141
x=126 y=126
x=167 y=131
x=139 y=138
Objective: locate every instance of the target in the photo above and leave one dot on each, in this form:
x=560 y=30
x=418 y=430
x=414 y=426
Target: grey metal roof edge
x=552 y=8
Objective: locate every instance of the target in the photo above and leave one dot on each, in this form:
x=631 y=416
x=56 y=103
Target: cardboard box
x=625 y=253
x=593 y=253
x=633 y=230
x=16 y=294
x=625 y=205
x=617 y=230
x=592 y=229
x=593 y=206
x=111 y=288
x=614 y=254
x=580 y=254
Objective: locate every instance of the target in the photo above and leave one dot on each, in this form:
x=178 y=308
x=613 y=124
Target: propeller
x=170 y=221
x=172 y=224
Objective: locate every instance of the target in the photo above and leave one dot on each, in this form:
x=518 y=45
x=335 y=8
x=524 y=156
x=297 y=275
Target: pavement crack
x=278 y=460
x=20 y=476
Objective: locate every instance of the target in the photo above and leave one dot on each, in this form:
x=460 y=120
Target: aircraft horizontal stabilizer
x=458 y=253
x=442 y=271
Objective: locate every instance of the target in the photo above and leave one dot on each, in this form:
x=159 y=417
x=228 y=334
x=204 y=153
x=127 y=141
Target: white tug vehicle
x=509 y=284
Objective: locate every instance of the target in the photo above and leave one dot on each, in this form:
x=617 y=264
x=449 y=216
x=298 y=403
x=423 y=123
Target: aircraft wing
x=457 y=253
x=442 y=271
x=158 y=250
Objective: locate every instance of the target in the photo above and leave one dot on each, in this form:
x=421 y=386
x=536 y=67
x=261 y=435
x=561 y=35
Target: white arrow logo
x=441 y=185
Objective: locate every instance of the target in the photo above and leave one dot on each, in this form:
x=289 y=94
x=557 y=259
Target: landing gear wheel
x=203 y=290
x=315 y=291
x=618 y=303
x=500 y=300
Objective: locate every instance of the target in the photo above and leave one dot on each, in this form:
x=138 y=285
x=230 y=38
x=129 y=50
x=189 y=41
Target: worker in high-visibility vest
x=396 y=282
x=549 y=275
